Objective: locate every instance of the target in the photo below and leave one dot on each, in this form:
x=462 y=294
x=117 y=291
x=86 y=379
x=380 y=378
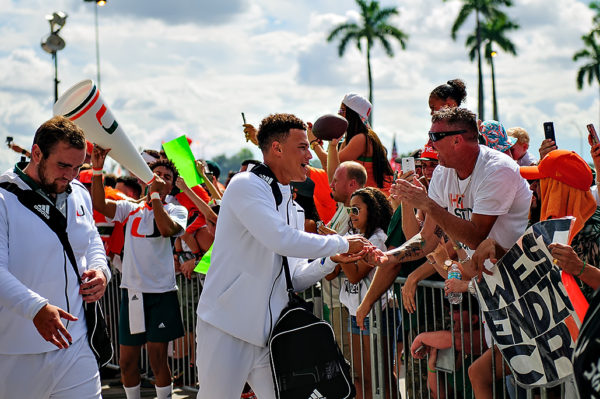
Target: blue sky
x=184 y=66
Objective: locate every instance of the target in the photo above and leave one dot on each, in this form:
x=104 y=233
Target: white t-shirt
x=352 y=294
x=495 y=187
x=527 y=159
x=147 y=256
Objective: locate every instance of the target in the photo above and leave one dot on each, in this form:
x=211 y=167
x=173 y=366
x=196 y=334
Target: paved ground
x=112 y=389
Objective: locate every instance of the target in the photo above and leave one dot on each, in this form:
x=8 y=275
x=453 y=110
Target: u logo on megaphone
x=77 y=112
x=84 y=105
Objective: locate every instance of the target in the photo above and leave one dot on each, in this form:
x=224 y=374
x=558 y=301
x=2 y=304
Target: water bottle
x=454 y=272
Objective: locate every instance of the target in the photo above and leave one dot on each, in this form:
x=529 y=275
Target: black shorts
x=162 y=317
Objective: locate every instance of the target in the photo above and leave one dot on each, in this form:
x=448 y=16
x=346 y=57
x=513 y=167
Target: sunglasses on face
x=354 y=211
x=435 y=136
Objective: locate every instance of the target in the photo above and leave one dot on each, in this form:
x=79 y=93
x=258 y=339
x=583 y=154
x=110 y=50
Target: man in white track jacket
x=43 y=344
x=245 y=287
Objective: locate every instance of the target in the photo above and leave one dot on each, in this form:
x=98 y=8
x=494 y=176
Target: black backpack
x=306 y=361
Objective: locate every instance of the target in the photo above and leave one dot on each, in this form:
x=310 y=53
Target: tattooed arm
x=469 y=232
x=415 y=248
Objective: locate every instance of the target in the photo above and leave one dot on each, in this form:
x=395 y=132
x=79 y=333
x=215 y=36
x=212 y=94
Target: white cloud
x=192 y=68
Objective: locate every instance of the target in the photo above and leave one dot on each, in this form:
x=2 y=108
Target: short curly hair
x=167 y=163
x=459 y=117
x=276 y=127
x=379 y=210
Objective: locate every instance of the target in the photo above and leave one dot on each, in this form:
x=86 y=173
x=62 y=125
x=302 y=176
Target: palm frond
x=349 y=26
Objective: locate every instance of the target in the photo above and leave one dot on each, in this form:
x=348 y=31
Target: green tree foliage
x=232 y=163
x=374 y=26
x=493 y=35
x=488 y=9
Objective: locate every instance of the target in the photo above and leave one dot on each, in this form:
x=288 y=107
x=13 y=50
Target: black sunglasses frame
x=435 y=136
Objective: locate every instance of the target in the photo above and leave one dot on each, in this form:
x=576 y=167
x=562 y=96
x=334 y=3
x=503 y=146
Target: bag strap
x=265 y=173
x=49 y=214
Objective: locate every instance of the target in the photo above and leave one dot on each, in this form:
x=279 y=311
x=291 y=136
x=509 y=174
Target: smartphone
x=593 y=134
x=244 y=118
x=408 y=164
x=549 y=131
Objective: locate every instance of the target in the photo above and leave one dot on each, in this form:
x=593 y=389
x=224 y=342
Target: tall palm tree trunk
x=370 y=78
x=480 y=76
x=495 y=104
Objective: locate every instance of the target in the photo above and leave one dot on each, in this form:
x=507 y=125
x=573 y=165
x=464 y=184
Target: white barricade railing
x=391 y=373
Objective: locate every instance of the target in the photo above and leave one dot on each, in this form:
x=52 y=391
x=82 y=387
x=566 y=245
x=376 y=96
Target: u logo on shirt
x=135 y=224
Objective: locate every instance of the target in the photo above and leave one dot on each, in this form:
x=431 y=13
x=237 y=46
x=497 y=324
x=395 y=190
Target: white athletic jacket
x=246 y=263
x=34 y=271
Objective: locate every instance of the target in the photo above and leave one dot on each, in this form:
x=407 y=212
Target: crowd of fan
x=355 y=192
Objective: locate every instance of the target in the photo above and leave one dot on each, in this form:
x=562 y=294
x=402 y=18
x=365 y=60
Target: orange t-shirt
x=325 y=205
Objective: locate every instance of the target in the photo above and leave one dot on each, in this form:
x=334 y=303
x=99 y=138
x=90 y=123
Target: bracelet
x=314 y=143
x=465 y=260
x=96 y=172
x=582 y=269
x=155 y=195
x=430 y=370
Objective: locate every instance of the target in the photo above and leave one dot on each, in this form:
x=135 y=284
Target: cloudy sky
x=189 y=66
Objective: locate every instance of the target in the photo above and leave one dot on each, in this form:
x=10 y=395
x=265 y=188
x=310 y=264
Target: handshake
x=358 y=248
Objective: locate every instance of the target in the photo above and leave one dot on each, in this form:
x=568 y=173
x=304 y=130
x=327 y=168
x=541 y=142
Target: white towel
x=137 y=323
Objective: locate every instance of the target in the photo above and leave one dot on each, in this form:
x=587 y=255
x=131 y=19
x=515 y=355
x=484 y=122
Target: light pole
x=99 y=3
x=493 y=54
x=52 y=42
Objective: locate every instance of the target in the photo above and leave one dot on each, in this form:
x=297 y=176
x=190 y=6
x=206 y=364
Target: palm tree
x=493 y=32
x=591 y=54
x=373 y=26
x=488 y=9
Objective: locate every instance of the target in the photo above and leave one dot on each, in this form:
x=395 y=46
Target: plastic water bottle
x=454 y=272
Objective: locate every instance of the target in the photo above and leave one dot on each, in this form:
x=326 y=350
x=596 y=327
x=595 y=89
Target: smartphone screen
x=549 y=131
x=593 y=134
x=408 y=164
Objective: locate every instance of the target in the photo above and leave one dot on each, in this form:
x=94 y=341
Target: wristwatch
x=447 y=264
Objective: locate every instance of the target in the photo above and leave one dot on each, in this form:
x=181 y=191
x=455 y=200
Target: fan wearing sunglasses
x=370 y=213
x=475 y=193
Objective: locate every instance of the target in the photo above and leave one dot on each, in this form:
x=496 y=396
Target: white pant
x=226 y=363
x=70 y=373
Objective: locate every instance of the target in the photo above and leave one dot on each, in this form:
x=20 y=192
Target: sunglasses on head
x=354 y=210
x=435 y=136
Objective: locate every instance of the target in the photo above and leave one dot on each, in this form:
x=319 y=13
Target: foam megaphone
x=84 y=106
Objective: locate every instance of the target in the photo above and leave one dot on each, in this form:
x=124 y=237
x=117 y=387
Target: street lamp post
x=99 y=3
x=493 y=55
x=52 y=42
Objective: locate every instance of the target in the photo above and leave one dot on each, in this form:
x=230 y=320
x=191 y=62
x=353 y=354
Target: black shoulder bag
x=305 y=358
x=97 y=331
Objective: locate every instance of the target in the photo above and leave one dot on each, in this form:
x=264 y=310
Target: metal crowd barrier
x=393 y=373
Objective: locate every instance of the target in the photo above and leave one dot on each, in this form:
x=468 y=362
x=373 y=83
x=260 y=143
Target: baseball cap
x=562 y=165
x=428 y=153
x=496 y=137
x=358 y=104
